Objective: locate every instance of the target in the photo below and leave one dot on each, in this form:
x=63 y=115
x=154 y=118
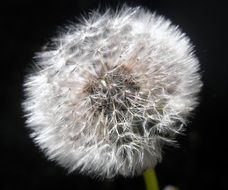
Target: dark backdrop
x=200 y=162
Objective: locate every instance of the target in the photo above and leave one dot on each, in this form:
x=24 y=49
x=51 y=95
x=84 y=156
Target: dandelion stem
x=150 y=179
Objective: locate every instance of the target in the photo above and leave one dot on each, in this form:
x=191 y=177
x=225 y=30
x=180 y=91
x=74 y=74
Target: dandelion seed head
x=112 y=92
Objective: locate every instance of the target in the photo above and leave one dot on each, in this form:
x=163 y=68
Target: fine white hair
x=111 y=91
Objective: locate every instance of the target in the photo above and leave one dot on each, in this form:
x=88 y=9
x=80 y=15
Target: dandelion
x=111 y=92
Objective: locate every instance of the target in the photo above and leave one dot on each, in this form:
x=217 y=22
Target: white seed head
x=111 y=92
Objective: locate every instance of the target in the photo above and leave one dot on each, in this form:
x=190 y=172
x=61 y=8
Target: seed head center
x=112 y=89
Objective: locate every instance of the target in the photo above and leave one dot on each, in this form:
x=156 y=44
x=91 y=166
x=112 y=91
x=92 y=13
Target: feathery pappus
x=111 y=92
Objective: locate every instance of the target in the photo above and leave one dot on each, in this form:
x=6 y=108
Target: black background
x=199 y=163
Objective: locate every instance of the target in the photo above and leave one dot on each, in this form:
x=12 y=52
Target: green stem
x=150 y=179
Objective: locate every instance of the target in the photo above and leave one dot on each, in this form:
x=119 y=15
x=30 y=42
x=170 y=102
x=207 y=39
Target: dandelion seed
x=112 y=92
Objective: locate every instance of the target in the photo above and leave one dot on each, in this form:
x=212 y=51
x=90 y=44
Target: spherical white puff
x=112 y=91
